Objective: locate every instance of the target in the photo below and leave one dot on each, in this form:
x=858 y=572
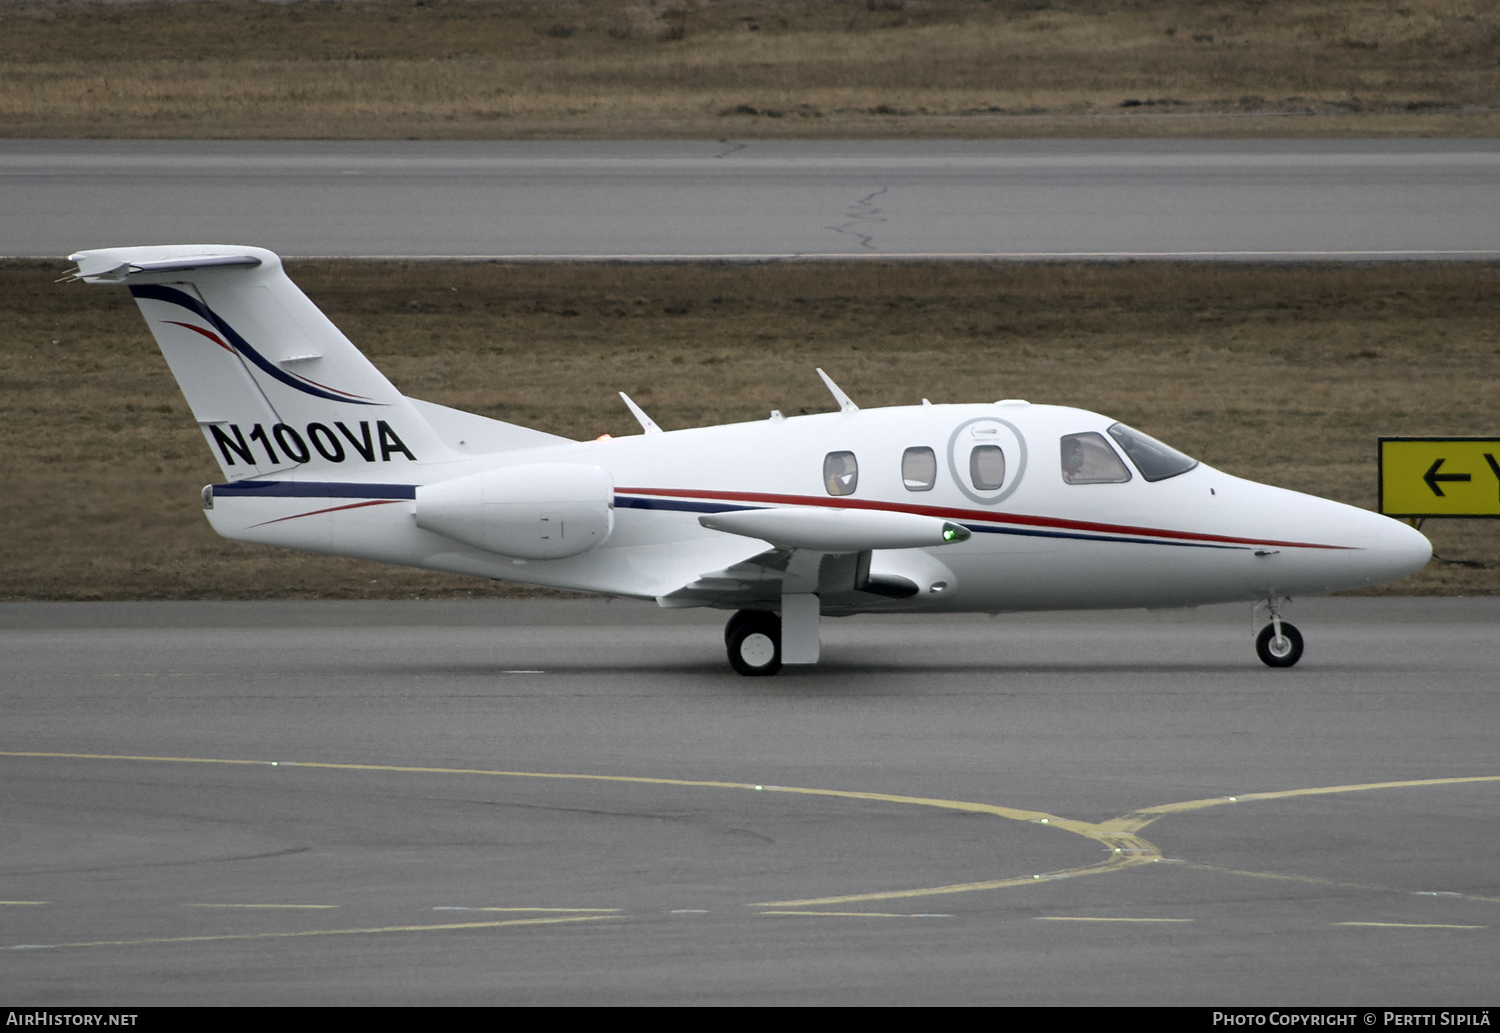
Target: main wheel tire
x=1279 y=653
x=740 y=617
x=754 y=642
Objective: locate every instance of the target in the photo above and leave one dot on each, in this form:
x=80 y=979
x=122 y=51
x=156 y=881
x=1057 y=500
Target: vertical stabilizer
x=272 y=382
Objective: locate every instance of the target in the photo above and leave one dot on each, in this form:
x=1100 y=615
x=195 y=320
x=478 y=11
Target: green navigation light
x=955 y=532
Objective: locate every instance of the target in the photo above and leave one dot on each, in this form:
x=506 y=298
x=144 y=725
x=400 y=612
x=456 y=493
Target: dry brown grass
x=493 y=69
x=1280 y=373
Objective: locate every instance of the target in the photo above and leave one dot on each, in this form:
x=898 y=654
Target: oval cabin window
x=840 y=473
x=987 y=467
x=919 y=469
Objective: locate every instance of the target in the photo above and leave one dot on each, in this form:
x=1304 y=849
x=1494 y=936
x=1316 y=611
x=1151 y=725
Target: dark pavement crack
x=862 y=215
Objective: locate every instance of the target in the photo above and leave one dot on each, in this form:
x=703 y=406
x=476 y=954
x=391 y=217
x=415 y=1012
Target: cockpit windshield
x=1156 y=461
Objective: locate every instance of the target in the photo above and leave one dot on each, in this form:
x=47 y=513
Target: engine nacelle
x=543 y=511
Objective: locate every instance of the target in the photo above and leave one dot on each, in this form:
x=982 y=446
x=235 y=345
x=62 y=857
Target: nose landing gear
x=1279 y=644
x=1282 y=650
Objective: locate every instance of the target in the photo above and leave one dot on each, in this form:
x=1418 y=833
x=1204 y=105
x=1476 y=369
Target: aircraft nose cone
x=1392 y=549
x=1411 y=548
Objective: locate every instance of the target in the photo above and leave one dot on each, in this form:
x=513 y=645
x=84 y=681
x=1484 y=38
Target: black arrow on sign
x=1432 y=477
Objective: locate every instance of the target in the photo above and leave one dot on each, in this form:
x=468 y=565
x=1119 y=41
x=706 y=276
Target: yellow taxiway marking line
x=1127 y=850
x=112 y=756
x=1070 y=918
x=314 y=932
x=307 y=907
x=1316 y=880
x=961 y=805
x=1137 y=820
x=177 y=674
x=1320 y=881
x=1412 y=925
x=568 y=910
x=23 y=903
x=851 y=914
x=404 y=769
x=1117 y=831
x=960 y=887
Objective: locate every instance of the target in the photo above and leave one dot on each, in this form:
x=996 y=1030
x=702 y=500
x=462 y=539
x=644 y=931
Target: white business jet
x=911 y=509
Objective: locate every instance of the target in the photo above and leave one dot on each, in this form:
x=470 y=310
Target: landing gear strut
x=753 y=638
x=1279 y=644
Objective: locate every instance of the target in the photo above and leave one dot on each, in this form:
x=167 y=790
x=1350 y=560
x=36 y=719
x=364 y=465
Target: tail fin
x=272 y=382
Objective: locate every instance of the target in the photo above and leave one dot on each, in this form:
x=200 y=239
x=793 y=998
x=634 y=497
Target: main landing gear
x=753 y=638
x=1279 y=644
x=759 y=642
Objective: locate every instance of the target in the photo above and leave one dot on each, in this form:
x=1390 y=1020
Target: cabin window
x=840 y=473
x=1155 y=461
x=919 y=469
x=987 y=467
x=1088 y=459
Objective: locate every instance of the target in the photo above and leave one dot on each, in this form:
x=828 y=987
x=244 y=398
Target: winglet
x=846 y=404
x=646 y=422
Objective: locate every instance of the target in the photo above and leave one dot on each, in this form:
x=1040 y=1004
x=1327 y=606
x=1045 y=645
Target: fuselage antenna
x=646 y=422
x=846 y=404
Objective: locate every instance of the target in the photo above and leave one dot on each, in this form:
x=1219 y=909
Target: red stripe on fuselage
x=963 y=514
x=332 y=509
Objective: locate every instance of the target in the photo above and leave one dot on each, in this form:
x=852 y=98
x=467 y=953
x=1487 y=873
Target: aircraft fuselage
x=1038 y=542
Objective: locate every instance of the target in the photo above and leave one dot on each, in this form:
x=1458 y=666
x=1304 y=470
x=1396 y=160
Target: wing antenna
x=646 y=422
x=846 y=404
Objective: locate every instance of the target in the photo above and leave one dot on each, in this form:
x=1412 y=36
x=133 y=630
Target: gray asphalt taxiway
x=656 y=199
x=577 y=802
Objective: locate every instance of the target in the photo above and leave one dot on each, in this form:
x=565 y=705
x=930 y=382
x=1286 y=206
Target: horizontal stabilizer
x=111 y=265
x=837 y=530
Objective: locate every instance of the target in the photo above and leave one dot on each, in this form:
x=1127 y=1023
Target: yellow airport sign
x=1440 y=477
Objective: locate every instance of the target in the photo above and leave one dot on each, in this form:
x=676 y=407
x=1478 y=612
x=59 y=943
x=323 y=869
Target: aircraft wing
x=742 y=585
x=823 y=552
x=759 y=582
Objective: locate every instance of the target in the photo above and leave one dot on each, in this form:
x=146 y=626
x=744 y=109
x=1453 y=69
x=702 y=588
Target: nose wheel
x=753 y=639
x=1279 y=650
x=1278 y=644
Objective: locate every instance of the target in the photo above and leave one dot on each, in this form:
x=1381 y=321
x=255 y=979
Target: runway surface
x=577 y=802
x=1248 y=199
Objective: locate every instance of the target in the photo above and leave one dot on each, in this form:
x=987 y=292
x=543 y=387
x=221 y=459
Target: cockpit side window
x=1088 y=459
x=840 y=473
x=987 y=467
x=1155 y=461
x=919 y=469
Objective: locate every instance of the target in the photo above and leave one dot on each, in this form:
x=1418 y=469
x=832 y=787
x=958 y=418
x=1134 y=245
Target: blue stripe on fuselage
x=1027 y=532
x=315 y=490
x=630 y=502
